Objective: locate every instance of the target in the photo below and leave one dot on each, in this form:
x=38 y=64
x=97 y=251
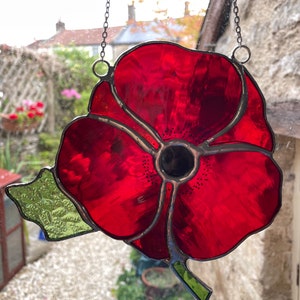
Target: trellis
x=27 y=74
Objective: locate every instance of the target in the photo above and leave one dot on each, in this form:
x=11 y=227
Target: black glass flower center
x=177 y=161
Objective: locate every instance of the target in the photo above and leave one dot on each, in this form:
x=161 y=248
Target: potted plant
x=159 y=281
x=25 y=118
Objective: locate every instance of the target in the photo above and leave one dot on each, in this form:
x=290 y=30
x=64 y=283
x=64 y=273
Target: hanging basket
x=13 y=126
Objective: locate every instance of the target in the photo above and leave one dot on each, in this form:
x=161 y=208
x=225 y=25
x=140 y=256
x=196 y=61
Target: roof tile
x=80 y=37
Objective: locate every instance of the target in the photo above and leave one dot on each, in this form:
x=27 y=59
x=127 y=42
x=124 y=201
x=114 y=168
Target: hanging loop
x=241 y=54
x=102 y=69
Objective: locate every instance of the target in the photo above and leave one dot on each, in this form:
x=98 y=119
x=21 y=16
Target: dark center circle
x=177 y=161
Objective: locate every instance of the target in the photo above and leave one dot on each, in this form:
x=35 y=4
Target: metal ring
x=238 y=48
x=100 y=61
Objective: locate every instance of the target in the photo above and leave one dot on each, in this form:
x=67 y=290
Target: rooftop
x=80 y=37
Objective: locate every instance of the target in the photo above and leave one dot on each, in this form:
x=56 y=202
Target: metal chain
x=244 y=49
x=105 y=27
x=237 y=23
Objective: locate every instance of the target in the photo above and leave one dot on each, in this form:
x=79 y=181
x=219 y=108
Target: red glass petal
x=154 y=243
x=104 y=104
x=253 y=127
x=110 y=176
x=232 y=196
x=182 y=94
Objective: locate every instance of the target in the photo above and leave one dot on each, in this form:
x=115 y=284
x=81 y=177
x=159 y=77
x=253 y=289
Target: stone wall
x=277 y=263
x=261 y=267
x=271 y=29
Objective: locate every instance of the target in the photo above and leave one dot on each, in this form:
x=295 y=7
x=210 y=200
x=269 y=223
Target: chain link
x=105 y=27
x=241 y=53
x=237 y=23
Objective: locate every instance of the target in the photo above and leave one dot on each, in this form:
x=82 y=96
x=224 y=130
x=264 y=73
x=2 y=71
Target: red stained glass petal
x=253 y=127
x=154 y=243
x=232 y=196
x=182 y=94
x=104 y=104
x=110 y=176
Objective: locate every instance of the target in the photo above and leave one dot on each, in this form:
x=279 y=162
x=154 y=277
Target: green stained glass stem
x=198 y=288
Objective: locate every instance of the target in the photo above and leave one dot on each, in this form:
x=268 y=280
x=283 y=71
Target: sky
x=23 y=22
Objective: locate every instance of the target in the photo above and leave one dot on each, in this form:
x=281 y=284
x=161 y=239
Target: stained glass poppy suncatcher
x=174 y=157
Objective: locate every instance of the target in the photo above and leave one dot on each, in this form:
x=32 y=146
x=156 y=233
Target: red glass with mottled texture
x=252 y=128
x=182 y=94
x=211 y=213
x=104 y=171
x=160 y=94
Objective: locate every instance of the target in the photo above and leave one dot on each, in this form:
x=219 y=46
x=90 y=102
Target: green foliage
x=79 y=62
x=49 y=142
x=135 y=257
x=9 y=160
x=178 y=293
x=47 y=149
x=81 y=105
x=129 y=286
x=13 y=159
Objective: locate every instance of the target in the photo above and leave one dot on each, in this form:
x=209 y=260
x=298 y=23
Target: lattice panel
x=25 y=74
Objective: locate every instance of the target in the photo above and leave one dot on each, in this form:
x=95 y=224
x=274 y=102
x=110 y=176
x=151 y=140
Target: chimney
x=186 y=8
x=131 y=13
x=60 y=26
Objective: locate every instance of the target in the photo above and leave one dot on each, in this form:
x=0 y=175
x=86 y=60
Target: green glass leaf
x=198 y=288
x=42 y=202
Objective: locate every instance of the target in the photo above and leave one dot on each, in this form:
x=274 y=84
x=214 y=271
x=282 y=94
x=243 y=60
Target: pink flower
x=70 y=94
x=27 y=103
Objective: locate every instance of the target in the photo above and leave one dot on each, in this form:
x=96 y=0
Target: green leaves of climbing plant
x=42 y=202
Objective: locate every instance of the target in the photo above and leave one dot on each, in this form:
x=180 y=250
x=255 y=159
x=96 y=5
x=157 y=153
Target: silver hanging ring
x=105 y=71
x=246 y=56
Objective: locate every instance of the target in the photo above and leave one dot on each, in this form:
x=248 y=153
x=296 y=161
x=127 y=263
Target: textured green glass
x=197 y=287
x=42 y=202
